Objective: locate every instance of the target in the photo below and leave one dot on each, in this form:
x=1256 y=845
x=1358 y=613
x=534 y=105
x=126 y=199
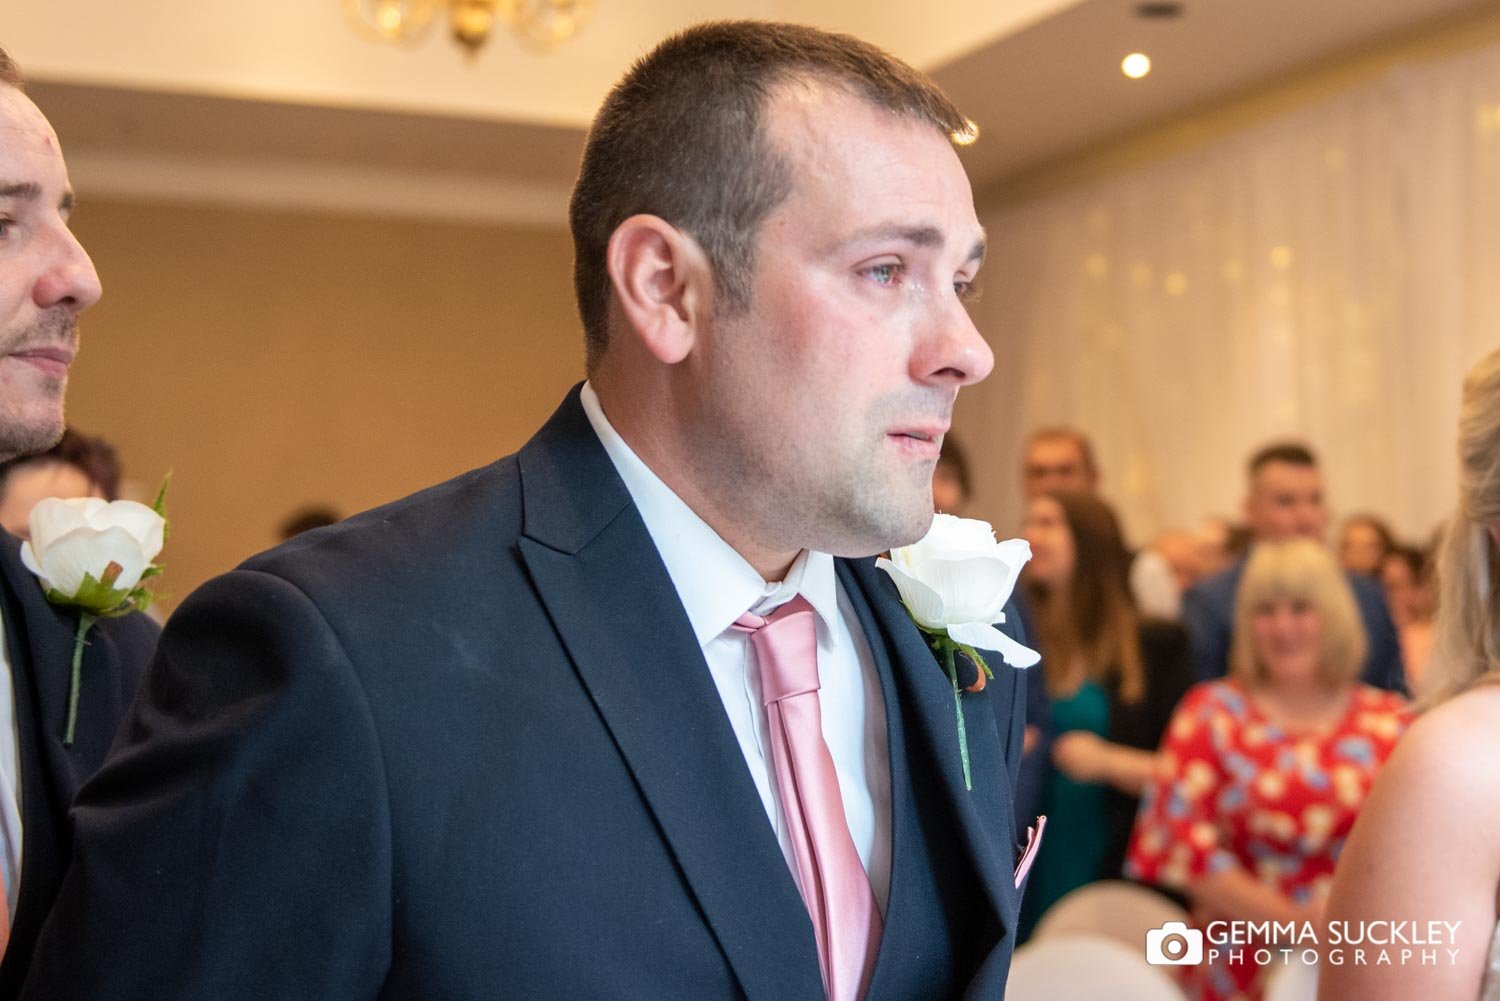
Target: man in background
x=1058 y=458
x=1285 y=500
x=46 y=280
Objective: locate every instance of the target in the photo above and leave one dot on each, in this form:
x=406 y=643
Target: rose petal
x=52 y=517
x=973 y=589
x=987 y=637
x=89 y=551
x=924 y=604
x=145 y=525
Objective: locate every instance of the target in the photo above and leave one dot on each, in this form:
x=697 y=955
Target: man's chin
x=20 y=436
x=890 y=530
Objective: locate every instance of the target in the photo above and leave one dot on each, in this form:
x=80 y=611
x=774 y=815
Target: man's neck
x=657 y=445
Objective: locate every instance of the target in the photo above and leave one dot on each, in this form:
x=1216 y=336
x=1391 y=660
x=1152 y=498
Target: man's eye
x=885 y=274
x=967 y=291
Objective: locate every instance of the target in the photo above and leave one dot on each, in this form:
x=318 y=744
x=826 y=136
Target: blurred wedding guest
x=1285 y=501
x=951 y=486
x=1113 y=680
x=1406 y=575
x=1364 y=543
x=1220 y=545
x=1426 y=845
x=1058 y=458
x=1261 y=774
x=307 y=518
x=1162 y=571
x=46 y=281
x=77 y=466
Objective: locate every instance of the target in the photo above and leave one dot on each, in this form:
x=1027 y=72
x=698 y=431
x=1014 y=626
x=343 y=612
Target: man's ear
x=663 y=282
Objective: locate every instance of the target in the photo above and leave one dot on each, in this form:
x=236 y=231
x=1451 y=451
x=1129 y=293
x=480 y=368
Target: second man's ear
x=663 y=283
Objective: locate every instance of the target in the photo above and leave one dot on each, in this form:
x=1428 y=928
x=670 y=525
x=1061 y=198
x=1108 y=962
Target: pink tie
x=828 y=871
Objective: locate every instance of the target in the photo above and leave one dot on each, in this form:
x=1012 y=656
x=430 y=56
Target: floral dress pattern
x=1235 y=789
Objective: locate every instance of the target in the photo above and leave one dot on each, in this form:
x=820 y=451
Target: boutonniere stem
x=955 y=583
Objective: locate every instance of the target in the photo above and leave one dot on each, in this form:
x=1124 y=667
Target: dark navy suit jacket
x=1208 y=615
x=467 y=746
x=39 y=640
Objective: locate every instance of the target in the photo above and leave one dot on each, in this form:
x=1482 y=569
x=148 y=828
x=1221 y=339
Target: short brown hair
x=10 y=73
x=1078 y=438
x=681 y=138
x=1291 y=453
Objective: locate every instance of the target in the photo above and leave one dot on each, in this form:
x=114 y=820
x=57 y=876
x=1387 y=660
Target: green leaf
x=154 y=570
x=159 y=506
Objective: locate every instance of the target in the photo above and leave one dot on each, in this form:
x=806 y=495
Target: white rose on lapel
x=955 y=583
x=91 y=553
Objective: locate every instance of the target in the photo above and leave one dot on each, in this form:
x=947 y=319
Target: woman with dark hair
x=1364 y=543
x=1113 y=679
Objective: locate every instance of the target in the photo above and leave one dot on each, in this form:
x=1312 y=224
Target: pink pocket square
x=1028 y=856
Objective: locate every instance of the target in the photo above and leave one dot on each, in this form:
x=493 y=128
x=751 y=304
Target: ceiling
x=279 y=104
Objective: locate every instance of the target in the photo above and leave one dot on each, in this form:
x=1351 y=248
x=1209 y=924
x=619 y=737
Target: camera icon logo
x=1174 y=944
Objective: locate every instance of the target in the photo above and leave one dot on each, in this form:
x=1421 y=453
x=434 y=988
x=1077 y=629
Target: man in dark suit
x=46 y=280
x=508 y=738
x=1285 y=501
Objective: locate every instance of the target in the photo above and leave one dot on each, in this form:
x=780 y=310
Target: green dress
x=1077 y=818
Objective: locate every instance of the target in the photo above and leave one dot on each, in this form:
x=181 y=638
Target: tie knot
x=786 y=646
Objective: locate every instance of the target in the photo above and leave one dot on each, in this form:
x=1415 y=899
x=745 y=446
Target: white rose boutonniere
x=94 y=555
x=955 y=583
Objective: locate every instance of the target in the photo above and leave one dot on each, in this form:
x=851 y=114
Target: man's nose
x=68 y=279
x=952 y=352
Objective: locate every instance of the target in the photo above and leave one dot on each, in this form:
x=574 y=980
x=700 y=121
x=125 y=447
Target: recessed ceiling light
x=1136 y=65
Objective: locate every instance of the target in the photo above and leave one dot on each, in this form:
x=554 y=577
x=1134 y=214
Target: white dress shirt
x=10 y=781
x=716 y=586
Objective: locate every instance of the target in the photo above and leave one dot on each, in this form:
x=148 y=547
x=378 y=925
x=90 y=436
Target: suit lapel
x=615 y=608
x=35 y=635
x=983 y=815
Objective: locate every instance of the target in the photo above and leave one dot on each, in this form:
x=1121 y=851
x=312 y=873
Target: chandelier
x=544 y=23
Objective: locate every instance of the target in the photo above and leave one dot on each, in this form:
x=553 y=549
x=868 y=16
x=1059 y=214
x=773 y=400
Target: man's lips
x=54 y=361
x=923 y=440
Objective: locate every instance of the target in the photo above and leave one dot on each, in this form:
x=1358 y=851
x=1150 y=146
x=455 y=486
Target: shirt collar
x=714 y=582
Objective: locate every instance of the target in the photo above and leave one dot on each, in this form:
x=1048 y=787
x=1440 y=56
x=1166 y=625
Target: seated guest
x=1113 y=681
x=1285 y=501
x=1261 y=775
x=77 y=466
x=1364 y=543
x=1405 y=575
x=307 y=518
x=951 y=486
x=1162 y=571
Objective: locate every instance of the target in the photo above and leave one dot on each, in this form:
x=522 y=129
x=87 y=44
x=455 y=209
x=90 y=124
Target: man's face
x=46 y=279
x=821 y=407
x=1054 y=465
x=1286 y=502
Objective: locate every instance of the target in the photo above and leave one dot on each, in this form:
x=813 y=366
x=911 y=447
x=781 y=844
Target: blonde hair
x=1299 y=570
x=1467 y=643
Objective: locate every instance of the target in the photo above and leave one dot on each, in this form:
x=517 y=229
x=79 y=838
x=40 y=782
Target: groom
x=629 y=714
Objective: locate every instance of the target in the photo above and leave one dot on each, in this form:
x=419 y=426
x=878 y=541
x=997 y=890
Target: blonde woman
x=1428 y=845
x=1261 y=775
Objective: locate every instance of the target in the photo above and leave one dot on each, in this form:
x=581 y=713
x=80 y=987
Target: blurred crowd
x=1212 y=707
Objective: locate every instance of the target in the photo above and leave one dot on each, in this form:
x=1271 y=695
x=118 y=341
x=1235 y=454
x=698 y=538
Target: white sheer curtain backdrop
x=1328 y=275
